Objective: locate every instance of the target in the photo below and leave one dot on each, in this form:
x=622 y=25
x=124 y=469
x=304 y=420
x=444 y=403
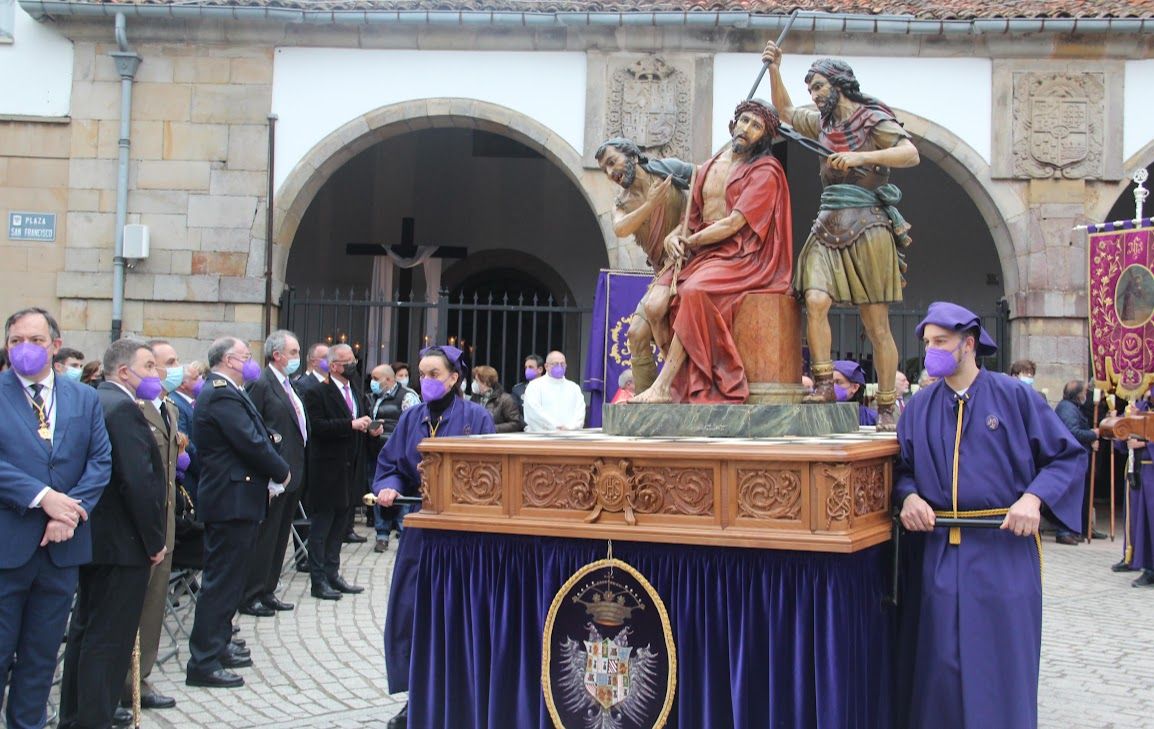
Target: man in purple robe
x=976 y=443
x=443 y=413
x=1139 y=552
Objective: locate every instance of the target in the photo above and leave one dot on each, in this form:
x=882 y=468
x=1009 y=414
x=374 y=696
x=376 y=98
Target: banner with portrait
x=1121 y=291
x=618 y=293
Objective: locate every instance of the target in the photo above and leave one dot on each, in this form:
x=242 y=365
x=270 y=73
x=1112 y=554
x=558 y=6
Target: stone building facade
x=1047 y=130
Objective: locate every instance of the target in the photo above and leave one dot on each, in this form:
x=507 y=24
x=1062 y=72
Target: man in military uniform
x=853 y=251
x=241 y=471
x=649 y=207
x=162 y=416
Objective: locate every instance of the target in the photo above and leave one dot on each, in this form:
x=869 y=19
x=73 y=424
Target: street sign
x=32 y=226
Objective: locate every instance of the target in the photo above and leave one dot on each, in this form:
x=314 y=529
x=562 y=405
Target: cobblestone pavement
x=321 y=666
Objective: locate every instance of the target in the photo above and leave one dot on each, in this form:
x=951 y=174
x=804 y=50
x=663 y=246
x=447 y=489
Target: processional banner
x=618 y=293
x=1121 y=290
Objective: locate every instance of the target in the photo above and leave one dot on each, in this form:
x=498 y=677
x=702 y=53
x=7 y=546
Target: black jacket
x=129 y=523
x=237 y=455
x=336 y=452
x=275 y=407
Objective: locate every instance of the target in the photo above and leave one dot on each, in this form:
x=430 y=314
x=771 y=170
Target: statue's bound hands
x=675 y=246
x=771 y=54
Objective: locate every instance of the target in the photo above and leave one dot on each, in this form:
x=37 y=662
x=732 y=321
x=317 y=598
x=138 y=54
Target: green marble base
x=729 y=421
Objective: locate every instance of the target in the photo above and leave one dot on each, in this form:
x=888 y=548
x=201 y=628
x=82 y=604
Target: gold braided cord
x=955 y=532
x=979 y=513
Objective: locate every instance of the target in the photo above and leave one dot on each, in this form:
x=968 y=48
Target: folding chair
x=300 y=537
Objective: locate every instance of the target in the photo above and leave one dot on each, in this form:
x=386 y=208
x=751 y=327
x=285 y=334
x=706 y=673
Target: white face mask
x=1027 y=379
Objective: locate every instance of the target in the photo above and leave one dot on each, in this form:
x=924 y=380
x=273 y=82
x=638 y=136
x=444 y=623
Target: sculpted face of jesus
x=748 y=130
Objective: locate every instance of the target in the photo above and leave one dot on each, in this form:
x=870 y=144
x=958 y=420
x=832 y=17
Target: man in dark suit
x=185 y=399
x=283 y=411
x=318 y=368
x=162 y=417
x=336 y=413
x=55 y=461
x=240 y=472
x=129 y=528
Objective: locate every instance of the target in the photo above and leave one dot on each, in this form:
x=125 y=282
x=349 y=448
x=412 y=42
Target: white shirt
x=48 y=396
x=552 y=404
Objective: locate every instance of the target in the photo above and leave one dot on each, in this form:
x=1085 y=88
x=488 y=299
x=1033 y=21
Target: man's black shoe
x=239 y=652
x=1099 y=535
x=275 y=603
x=235 y=660
x=1122 y=566
x=323 y=591
x=354 y=538
x=401 y=720
x=121 y=717
x=235 y=629
x=1146 y=579
x=154 y=700
x=150 y=699
x=216 y=679
x=239 y=642
x=257 y=608
x=1068 y=539
x=340 y=585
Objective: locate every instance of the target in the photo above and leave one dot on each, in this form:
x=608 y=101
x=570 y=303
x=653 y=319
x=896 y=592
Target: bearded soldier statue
x=854 y=251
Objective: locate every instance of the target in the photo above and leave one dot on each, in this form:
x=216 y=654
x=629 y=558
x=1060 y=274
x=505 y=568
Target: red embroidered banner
x=1121 y=306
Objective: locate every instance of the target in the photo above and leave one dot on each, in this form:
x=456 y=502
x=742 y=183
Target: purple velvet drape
x=765 y=638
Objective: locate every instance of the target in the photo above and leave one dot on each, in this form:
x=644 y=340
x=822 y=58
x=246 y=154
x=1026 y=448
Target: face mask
x=432 y=389
x=250 y=370
x=173 y=376
x=403 y=381
x=1026 y=379
x=840 y=393
x=323 y=366
x=149 y=388
x=557 y=371
x=183 y=461
x=27 y=358
x=475 y=388
x=531 y=374
x=73 y=373
x=292 y=366
x=941 y=362
x=375 y=387
x=197 y=386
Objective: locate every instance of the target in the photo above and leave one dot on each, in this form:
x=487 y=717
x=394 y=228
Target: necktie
x=349 y=400
x=40 y=412
x=164 y=416
x=289 y=391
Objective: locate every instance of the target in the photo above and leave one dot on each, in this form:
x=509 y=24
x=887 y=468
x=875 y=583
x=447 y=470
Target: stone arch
x=1001 y=209
x=1141 y=159
x=530 y=265
x=311 y=173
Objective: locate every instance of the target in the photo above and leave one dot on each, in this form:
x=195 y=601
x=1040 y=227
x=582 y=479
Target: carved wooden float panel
x=818 y=494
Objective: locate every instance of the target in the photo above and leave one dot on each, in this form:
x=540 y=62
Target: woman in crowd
x=502 y=407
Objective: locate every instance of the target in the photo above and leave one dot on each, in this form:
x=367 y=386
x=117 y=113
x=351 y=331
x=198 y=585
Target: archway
x=509 y=201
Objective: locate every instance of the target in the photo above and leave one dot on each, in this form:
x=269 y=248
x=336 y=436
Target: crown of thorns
x=761 y=109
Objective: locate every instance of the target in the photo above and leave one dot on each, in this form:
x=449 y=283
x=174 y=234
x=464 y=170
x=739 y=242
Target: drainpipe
x=268 y=227
x=127 y=62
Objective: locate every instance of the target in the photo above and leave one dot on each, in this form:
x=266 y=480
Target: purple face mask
x=840 y=393
x=149 y=388
x=183 y=461
x=530 y=374
x=323 y=366
x=250 y=372
x=432 y=389
x=940 y=362
x=27 y=358
x=197 y=386
x=557 y=371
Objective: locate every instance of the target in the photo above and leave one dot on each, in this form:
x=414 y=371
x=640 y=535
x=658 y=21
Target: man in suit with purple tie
x=55 y=460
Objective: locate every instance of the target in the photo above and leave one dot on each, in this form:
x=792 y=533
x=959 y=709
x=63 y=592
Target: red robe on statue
x=759 y=257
